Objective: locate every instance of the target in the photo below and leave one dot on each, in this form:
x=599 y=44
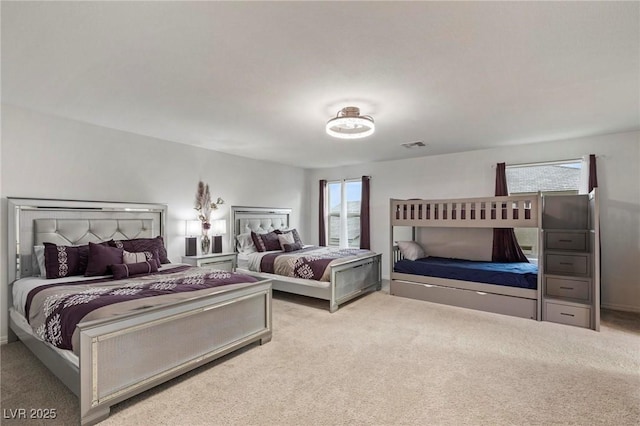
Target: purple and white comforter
x=54 y=310
x=312 y=263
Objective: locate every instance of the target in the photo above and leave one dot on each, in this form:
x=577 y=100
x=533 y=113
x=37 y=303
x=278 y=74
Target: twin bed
x=162 y=336
x=505 y=288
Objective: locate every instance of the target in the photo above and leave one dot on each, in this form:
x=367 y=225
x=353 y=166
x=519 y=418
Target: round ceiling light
x=349 y=124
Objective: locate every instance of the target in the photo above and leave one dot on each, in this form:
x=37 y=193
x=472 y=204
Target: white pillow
x=37 y=263
x=411 y=250
x=286 y=239
x=245 y=243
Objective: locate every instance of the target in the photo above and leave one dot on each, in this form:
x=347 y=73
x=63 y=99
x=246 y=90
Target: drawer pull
x=566 y=263
x=566 y=288
x=567 y=315
x=565 y=241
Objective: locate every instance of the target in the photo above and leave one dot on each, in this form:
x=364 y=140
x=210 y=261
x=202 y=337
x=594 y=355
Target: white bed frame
x=199 y=329
x=488 y=212
x=349 y=279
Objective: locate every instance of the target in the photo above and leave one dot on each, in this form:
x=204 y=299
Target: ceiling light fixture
x=349 y=124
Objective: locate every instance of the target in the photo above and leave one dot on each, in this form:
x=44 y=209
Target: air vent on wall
x=410 y=145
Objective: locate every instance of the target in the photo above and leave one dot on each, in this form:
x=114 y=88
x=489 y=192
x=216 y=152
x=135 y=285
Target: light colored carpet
x=382 y=360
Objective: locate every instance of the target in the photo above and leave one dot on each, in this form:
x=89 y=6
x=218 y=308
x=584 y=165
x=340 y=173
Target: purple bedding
x=311 y=263
x=54 y=310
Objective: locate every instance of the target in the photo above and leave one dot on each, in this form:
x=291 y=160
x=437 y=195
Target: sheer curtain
x=365 y=237
x=505 y=244
x=322 y=214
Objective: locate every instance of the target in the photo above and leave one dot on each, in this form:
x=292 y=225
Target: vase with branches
x=204 y=206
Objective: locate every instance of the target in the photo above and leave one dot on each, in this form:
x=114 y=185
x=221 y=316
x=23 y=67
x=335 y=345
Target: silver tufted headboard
x=35 y=221
x=257 y=219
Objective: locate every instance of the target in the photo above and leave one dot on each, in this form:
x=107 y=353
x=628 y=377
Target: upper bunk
x=520 y=211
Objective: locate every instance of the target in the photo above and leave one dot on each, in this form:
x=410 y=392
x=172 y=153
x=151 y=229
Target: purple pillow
x=143 y=244
x=294 y=232
x=266 y=242
x=101 y=258
x=292 y=247
x=65 y=261
x=125 y=270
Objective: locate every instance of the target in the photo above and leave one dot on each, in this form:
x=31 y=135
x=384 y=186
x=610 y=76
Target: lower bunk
x=514 y=293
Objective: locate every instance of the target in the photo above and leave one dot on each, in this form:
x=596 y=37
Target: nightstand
x=222 y=261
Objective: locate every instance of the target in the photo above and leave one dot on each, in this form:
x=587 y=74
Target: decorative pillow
x=37 y=261
x=65 y=261
x=245 y=243
x=125 y=270
x=291 y=247
x=266 y=242
x=143 y=244
x=411 y=250
x=285 y=239
x=101 y=258
x=141 y=256
x=294 y=232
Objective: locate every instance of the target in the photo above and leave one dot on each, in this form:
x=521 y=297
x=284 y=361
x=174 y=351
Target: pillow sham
x=245 y=243
x=125 y=270
x=141 y=256
x=411 y=250
x=143 y=244
x=285 y=239
x=101 y=258
x=266 y=242
x=65 y=261
x=292 y=231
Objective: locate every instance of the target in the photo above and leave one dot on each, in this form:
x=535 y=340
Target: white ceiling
x=260 y=80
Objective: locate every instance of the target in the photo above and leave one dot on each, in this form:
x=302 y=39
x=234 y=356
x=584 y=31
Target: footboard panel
x=121 y=359
x=355 y=277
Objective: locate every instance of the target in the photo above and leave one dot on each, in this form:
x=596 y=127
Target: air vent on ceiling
x=410 y=145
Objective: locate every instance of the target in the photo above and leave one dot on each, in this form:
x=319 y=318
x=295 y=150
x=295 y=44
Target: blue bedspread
x=522 y=275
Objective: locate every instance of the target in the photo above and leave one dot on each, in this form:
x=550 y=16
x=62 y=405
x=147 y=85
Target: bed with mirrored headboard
x=343 y=279
x=161 y=339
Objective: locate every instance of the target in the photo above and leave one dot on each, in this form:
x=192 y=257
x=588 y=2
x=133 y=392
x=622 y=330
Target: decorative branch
x=204 y=206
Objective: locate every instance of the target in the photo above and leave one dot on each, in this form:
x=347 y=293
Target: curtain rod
x=346 y=179
x=544 y=163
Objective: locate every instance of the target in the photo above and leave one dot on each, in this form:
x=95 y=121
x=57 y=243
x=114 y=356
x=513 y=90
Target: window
x=562 y=177
x=344 y=213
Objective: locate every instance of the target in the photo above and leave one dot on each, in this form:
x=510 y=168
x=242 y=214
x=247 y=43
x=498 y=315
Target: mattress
x=518 y=274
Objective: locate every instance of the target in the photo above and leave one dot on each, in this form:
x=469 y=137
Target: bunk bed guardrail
x=485 y=212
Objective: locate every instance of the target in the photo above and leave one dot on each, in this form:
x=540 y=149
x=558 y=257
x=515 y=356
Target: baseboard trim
x=4 y=340
x=624 y=308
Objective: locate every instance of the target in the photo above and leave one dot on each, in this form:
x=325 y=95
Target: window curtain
x=365 y=237
x=322 y=225
x=593 y=176
x=505 y=244
x=588 y=175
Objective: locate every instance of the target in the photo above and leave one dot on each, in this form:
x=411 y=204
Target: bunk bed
x=457 y=217
x=161 y=340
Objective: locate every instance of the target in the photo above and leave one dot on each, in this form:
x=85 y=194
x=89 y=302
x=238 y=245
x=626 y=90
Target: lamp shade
x=219 y=227
x=192 y=228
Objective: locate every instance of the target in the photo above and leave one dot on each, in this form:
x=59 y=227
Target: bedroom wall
x=49 y=157
x=471 y=174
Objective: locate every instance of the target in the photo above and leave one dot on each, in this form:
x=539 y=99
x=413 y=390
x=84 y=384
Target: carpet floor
x=380 y=360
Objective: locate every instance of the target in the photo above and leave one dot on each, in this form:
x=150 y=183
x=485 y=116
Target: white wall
x=471 y=174
x=49 y=157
